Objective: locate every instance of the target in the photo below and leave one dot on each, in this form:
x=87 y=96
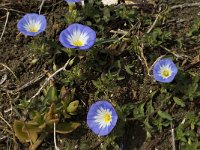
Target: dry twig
x=185 y=5
x=178 y=56
x=143 y=59
x=30 y=82
x=122 y=32
x=2 y=5
x=173 y=138
x=3 y=79
x=1 y=116
x=11 y=132
x=150 y=68
x=11 y=107
x=49 y=78
x=154 y=23
x=54 y=136
x=40 y=8
x=10 y=9
x=4 y=28
x=9 y=70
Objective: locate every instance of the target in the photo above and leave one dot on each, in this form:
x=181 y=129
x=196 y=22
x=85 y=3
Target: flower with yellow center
x=78 y=36
x=78 y=43
x=32 y=24
x=164 y=70
x=102 y=118
x=107 y=118
x=166 y=73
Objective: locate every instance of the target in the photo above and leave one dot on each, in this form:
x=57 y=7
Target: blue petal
x=93 y=126
x=164 y=62
x=97 y=130
x=93 y=112
x=63 y=39
x=105 y=131
x=32 y=16
x=92 y=38
x=108 y=129
x=75 y=26
x=72 y=1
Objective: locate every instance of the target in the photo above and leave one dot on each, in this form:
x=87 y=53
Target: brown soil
x=17 y=55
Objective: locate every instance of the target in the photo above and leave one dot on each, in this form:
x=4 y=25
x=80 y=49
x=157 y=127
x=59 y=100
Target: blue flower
x=72 y=1
x=78 y=36
x=164 y=70
x=32 y=24
x=102 y=118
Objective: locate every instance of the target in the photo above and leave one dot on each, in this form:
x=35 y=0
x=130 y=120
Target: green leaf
x=37 y=119
x=63 y=92
x=100 y=42
x=72 y=108
x=25 y=132
x=52 y=94
x=179 y=101
x=71 y=61
x=192 y=88
x=164 y=115
x=22 y=136
x=139 y=111
x=51 y=117
x=147 y=124
x=150 y=108
x=67 y=127
x=66 y=115
x=68 y=96
x=128 y=69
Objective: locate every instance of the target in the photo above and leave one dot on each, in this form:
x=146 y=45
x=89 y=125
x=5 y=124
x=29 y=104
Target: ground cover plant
x=98 y=74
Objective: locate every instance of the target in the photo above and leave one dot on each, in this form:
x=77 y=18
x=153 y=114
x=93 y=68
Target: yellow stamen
x=78 y=43
x=33 y=28
x=166 y=73
x=107 y=118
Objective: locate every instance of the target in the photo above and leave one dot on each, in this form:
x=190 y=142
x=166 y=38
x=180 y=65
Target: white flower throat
x=32 y=25
x=103 y=117
x=78 y=38
x=165 y=71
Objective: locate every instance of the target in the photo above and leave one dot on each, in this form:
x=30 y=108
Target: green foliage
x=52 y=94
x=186 y=131
x=165 y=115
x=29 y=131
x=103 y=83
x=72 y=75
x=38 y=47
x=43 y=118
x=179 y=102
x=67 y=127
x=26 y=132
x=156 y=37
x=72 y=16
x=104 y=70
x=194 y=29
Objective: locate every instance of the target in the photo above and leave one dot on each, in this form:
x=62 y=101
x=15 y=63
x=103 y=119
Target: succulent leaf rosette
x=102 y=118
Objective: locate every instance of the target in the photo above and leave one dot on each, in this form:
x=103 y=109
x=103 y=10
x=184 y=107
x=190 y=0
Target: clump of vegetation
x=44 y=118
x=120 y=70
